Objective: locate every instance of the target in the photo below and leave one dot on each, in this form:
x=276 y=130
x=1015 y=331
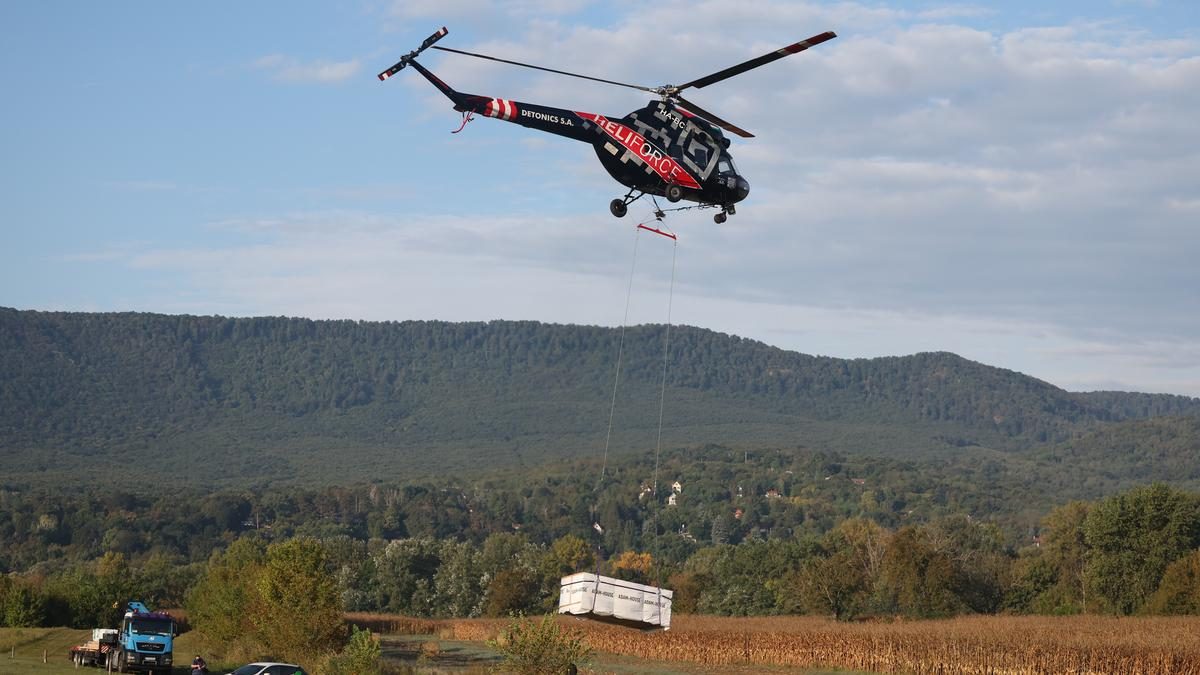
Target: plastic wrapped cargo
x=615 y=601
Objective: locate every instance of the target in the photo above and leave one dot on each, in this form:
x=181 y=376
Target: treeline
x=1136 y=552
x=707 y=495
x=724 y=496
x=165 y=395
x=87 y=595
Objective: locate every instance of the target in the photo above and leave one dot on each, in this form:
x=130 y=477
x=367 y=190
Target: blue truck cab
x=144 y=641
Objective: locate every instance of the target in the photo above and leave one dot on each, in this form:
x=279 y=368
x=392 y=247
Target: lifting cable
x=617 y=377
x=662 y=400
x=611 y=413
x=662 y=397
x=621 y=350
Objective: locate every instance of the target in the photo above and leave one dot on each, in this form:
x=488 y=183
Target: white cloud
x=1043 y=176
x=1024 y=197
x=368 y=267
x=288 y=69
x=954 y=12
x=481 y=13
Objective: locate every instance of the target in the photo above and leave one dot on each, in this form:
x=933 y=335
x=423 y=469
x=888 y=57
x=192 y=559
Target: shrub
x=540 y=647
x=361 y=656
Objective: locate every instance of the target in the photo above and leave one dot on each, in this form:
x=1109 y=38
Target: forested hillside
x=233 y=401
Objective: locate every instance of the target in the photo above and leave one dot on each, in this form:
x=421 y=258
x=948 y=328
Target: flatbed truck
x=143 y=643
x=95 y=652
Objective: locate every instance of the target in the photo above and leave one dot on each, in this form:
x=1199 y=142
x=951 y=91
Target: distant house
x=773 y=494
x=737 y=514
x=671 y=500
x=858 y=481
x=677 y=487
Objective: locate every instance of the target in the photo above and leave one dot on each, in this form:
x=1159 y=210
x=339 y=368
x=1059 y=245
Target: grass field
x=979 y=645
x=968 y=645
x=22 y=649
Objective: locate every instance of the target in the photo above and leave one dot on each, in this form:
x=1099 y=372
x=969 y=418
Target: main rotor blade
x=713 y=118
x=548 y=70
x=756 y=62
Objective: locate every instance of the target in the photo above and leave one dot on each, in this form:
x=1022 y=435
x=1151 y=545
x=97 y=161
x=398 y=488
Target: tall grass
x=978 y=645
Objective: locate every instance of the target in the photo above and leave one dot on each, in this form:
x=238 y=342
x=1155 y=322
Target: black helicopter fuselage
x=659 y=149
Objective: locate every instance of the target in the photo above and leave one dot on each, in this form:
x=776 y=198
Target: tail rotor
x=413 y=54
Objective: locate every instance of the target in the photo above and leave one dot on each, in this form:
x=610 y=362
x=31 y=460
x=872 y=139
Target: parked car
x=269 y=669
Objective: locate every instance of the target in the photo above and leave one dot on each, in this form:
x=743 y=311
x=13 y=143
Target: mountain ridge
x=274 y=397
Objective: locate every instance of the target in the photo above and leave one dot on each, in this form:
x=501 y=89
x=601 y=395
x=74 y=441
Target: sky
x=1013 y=182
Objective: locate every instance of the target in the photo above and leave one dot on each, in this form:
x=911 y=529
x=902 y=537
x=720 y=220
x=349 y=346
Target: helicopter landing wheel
x=720 y=218
x=674 y=193
x=618 y=207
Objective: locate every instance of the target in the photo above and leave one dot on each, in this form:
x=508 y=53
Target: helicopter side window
x=724 y=165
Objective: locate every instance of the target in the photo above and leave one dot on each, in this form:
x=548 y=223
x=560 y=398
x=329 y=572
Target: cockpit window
x=725 y=165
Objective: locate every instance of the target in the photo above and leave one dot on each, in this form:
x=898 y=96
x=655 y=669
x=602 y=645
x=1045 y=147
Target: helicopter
x=671 y=148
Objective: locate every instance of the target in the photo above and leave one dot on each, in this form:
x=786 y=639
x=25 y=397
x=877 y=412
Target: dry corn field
x=974 y=645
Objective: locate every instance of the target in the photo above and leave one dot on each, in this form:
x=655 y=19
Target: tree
x=917 y=578
x=511 y=591
x=981 y=563
x=632 y=566
x=833 y=585
x=218 y=605
x=457 y=590
x=687 y=587
x=297 y=614
x=1050 y=579
x=1179 y=592
x=21 y=605
x=567 y=555
x=720 y=529
x=1133 y=537
x=404 y=575
x=163 y=581
x=115 y=586
x=842 y=579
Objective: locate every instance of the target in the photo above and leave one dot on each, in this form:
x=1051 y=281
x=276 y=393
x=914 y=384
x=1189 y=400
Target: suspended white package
x=615 y=601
